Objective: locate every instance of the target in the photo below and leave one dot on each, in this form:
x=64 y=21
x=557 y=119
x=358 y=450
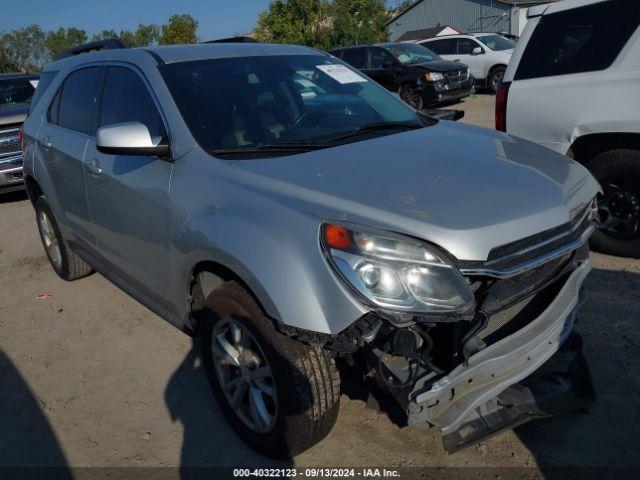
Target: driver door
x=383 y=68
x=128 y=195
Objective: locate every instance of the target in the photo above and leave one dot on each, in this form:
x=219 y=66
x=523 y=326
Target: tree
x=23 y=50
x=404 y=5
x=180 y=29
x=62 y=39
x=356 y=22
x=304 y=22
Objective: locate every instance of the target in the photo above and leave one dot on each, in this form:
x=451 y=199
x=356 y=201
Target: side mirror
x=477 y=51
x=389 y=64
x=131 y=138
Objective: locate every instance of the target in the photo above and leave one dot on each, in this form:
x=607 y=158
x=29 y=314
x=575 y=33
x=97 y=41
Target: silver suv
x=305 y=223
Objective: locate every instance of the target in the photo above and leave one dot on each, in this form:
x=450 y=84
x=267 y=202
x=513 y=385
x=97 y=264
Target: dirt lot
x=88 y=377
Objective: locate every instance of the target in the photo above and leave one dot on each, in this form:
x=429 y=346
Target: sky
x=216 y=18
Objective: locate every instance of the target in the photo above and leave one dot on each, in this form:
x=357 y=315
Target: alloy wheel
x=410 y=96
x=244 y=375
x=619 y=207
x=50 y=239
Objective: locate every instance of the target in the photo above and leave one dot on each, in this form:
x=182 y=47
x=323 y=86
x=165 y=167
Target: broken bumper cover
x=470 y=391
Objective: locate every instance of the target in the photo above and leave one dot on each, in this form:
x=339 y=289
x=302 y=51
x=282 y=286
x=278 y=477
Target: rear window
x=43 y=84
x=16 y=91
x=579 y=40
x=77 y=100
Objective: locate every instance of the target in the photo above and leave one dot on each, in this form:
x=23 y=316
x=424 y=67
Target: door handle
x=456 y=59
x=47 y=143
x=93 y=167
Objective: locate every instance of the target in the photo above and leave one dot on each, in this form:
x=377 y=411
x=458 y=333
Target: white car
x=573 y=85
x=486 y=54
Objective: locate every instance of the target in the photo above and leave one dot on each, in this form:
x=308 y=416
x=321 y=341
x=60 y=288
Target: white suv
x=573 y=85
x=486 y=54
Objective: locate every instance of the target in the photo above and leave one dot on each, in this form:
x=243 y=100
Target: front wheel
x=411 y=96
x=618 y=172
x=280 y=396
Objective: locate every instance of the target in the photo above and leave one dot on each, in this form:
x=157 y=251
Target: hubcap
x=50 y=239
x=244 y=374
x=619 y=207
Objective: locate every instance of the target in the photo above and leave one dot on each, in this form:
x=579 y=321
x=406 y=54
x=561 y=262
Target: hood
x=13 y=114
x=464 y=188
x=439 y=66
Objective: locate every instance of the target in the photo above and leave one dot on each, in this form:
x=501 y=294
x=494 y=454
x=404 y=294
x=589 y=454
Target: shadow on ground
x=26 y=438
x=208 y=440
x=13 y=197
x=607 y=436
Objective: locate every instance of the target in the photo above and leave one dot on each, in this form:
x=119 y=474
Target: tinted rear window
x=584 y=39
x=77 y=100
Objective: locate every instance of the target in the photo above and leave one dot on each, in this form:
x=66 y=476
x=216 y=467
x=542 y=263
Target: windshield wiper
x=378 y=126
x=272 y=148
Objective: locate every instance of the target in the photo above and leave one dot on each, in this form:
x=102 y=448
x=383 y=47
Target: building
x=468 y=16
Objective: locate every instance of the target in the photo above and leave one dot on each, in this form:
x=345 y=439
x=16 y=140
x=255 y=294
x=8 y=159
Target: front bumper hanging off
x=497 y=388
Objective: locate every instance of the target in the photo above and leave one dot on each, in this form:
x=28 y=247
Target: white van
x=573 y=85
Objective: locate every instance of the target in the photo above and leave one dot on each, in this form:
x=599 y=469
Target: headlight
x=433 y=76
x=395 y=272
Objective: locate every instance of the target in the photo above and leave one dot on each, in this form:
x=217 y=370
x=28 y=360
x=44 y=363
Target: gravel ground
x=88 y=377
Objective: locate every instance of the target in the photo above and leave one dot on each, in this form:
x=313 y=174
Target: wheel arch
x=33 y=189
x=586 y=147
x=204 y=278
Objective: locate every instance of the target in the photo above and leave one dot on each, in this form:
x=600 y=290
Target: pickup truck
x=16 y=91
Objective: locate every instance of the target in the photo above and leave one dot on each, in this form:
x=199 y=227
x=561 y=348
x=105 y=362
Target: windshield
x=408 y=53
x=15 y=91
x=252 y=102
x=497 y=42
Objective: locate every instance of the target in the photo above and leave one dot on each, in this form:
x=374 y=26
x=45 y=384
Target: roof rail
x=233 y=40
x=107 y=44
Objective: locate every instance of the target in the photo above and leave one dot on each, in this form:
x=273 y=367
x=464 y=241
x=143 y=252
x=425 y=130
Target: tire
x=495 y=78
x=618 y=172
x=65 y=262
x=304 y=378
x=411 y=97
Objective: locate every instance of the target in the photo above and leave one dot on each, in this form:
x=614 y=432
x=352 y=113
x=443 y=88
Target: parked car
x=16 y=90
x=583 y=59
x=486 y=54
x=293 y=223
x=421 y=78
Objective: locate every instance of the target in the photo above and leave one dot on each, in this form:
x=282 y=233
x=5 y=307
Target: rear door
x=128 y=195
x=63 y=140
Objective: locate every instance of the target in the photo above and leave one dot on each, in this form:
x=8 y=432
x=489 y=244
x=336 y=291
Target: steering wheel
x=321 y=118
x=310 y=119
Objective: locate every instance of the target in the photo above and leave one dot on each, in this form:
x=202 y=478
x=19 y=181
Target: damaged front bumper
x=480 y=397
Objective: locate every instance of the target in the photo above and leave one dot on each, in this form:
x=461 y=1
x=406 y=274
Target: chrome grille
x=531 y=252
x=9 y=142
x=456 y=76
